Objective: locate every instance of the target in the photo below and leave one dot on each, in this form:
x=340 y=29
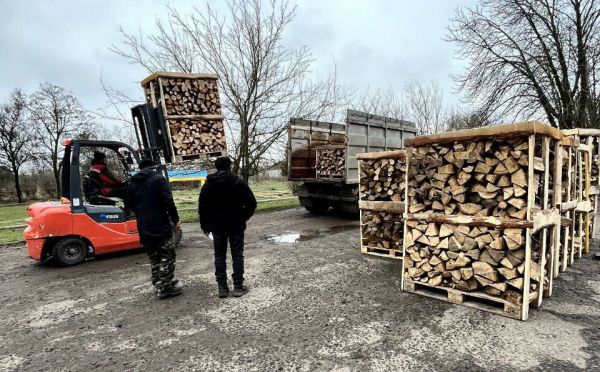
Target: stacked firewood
x=191 y=96
x=192 y=108
x=382 y=179
x=480 y=178
x=382 y=229
x=192 y=136
x=330 y=162
x=469 y=258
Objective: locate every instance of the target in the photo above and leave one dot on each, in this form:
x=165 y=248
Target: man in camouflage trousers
x=150 y=196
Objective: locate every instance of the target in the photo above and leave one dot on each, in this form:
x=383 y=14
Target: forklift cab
x=72 y=178
x=71 y=230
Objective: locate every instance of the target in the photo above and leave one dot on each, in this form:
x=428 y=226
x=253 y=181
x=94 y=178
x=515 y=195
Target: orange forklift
x=72 y=230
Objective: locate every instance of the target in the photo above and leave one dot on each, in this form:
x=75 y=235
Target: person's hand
x=178 y=225
x=207 y=233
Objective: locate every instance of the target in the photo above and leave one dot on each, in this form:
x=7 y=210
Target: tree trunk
x=55 y=167
x=244 y=151
x=17 y=184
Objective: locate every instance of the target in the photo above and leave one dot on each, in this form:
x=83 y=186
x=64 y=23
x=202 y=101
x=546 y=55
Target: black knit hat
x=223 y=163
x=146 y=162
x=98 y=157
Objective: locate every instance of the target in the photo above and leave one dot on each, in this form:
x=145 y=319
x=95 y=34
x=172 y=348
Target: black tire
x=317 y=207
x=70 y=251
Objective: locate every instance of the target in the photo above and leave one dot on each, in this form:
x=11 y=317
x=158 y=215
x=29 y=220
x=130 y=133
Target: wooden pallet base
x=475 y=300
x=383 y=252
x=201 y=156
x=330 y=176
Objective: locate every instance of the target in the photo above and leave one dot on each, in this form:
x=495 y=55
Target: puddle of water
x=293 y=237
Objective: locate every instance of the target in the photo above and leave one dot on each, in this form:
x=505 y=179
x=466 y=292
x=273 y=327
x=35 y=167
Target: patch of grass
x=13 y=215
x=186 y=201
x=277 y=205
x=11 y=236
x=188 y=214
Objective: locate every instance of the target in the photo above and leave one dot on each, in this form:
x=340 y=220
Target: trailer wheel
x=317 y=206
x=70 y=251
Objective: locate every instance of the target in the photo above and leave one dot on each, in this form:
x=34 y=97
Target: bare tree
x=457 y=119
x=425 y=107
x=262 y=82
x=16 y=137
x=58 y=115
x=532 y=58
x=383 y=102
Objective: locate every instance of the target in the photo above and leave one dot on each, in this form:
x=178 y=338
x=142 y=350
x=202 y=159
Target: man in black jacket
x=150 y=196
x=225 y=204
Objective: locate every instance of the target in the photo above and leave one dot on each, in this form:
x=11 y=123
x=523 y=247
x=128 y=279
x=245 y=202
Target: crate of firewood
x=382 y=177
x=192 y=109
x=583 y=185
x=568 y=161
x=481 y=216
x=330 y=161
x=194 y=138
x=182 y=94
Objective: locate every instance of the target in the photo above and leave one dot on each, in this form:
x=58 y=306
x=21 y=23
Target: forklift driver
x=100 y=184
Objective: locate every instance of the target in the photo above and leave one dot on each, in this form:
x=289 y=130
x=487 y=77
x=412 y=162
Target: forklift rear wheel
x=70 y=251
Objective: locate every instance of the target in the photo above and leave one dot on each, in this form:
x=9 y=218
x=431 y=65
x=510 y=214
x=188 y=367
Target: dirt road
x=317 y=304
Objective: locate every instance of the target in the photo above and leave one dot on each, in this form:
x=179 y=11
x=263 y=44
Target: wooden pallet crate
x=196 y=138
x=480 y=212
x=480 y=301
x=566 y=201
x=588 y=170
x=191 y=106
x=383 y=252
x=381 y=193
x=182 y=94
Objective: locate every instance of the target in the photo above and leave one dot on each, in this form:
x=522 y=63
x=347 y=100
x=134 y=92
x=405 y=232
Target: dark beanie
x=223 y=163
x=146 y=162
x=98 y=157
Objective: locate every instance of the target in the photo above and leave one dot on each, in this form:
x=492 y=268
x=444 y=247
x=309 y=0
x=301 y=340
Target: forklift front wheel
x=70 y=251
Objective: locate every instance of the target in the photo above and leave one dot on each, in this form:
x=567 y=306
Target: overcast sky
x=374 y=43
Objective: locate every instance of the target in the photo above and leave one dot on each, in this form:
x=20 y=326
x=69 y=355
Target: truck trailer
x=322 y=167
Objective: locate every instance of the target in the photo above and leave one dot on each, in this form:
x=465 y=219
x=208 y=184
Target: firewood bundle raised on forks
x=190 y=103
x=197 y=136
x=481 y=216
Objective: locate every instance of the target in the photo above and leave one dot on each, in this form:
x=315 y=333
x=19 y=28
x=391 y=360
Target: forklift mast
x=152 y=135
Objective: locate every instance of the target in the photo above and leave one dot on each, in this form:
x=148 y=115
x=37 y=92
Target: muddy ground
x=317 y=304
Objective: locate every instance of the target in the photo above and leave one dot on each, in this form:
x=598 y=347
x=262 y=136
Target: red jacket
x=106 y=178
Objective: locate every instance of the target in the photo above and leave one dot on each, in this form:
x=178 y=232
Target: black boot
x=240 y=290
x=171 y=290
x=223 y=290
